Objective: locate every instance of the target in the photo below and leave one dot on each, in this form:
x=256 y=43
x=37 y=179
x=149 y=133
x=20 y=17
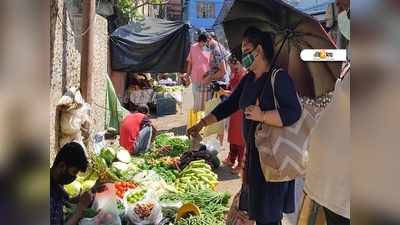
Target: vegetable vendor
x=137 y=132
x=69 y=161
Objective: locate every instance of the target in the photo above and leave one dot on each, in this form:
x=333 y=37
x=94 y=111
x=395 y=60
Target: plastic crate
x=165 y=106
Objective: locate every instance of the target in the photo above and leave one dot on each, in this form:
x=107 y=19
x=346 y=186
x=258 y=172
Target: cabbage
x=137 y=161
x=124 y=156
x=108 y=154
x=120 y=166
x=130 y=173
x=73 y=189
x=88 y=184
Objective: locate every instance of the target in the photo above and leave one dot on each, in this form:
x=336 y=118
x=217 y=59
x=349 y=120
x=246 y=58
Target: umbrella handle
x=274 y=60
x=279 y=51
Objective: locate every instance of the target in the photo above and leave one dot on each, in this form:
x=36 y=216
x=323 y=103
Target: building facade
x=202 y=13
x=174 y=10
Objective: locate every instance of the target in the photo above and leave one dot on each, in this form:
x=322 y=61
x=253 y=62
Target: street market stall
x=151 y=46
x=152 y=188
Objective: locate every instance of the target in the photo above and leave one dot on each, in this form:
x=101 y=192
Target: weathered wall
x=100 y=71
x=64 y=67
x=65 y=64
x=119 y=80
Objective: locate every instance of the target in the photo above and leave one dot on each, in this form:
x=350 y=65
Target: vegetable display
x=81 y=184
x=202 y=219
x=169 y=182
x=144 y=209
x=108 y=154
x=105 y=174
x=124 y=156
x=171 y=145
x=136 y=196
x=202 y=153
x=122 y=187
x=169 y=175
x=167 y=89
x=196 y=176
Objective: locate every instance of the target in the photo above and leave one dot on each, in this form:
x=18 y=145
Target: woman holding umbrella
x=267 y=201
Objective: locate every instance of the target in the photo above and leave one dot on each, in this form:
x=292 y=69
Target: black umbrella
x=293 y=31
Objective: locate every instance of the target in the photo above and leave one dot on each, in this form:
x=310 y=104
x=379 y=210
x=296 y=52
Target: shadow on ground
x=176 y=130
x=225 y=173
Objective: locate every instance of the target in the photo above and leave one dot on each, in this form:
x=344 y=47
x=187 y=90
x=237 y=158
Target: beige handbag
x=283 y=150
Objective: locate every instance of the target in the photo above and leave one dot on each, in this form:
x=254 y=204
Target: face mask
x=67 y=178
x=248 y=60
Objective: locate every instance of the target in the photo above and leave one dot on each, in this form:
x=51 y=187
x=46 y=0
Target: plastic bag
x=106 y=203
x=216 y=128
x=99 y=142
x=147 y=176
x=212 y=144
x=153 y=182
x=146 y=212
x=73 y=120
x=153 y=216
x=147 y=195
x=72 y=95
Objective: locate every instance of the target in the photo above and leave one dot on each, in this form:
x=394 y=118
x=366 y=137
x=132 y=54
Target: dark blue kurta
x=266 y=200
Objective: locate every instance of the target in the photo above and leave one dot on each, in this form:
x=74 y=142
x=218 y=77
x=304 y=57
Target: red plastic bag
x=236 y=216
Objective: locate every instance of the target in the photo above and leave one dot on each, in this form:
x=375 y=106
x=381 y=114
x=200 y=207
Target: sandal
x=227 y=162
x=237 y=169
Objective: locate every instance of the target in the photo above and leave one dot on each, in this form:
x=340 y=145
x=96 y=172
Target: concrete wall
x=65 y=64
x=119 y=80
x=100 y=72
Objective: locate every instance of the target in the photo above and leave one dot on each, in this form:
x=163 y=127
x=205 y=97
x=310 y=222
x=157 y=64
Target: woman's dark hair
x=202 y=37
x=72 y=154
x=258 y=37
x=143 y=109
x=233 y=59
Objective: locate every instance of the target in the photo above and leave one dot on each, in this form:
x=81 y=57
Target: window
x=205 y=9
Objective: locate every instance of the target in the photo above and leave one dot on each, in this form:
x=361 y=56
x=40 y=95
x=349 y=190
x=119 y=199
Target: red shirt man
x=136 y=131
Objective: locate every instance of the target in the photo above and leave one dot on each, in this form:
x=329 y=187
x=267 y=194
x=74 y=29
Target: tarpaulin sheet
x=152 y=45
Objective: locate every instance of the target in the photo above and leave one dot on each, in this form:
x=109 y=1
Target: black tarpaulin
x=151 y=45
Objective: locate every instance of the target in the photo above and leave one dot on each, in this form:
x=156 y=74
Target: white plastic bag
x=99 y=142
x=154 y=215
x=70 y=122
x=147 y=195
x=212 y=143
x=73 y=120
x=106 y=203
x=153 y=182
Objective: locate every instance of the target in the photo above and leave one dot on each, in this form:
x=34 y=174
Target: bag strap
x=273 y=77
x=260 y=96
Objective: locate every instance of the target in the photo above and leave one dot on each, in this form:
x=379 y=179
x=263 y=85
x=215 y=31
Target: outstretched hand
x=194 y=131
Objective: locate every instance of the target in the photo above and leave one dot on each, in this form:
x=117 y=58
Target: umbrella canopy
x=290 y=26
